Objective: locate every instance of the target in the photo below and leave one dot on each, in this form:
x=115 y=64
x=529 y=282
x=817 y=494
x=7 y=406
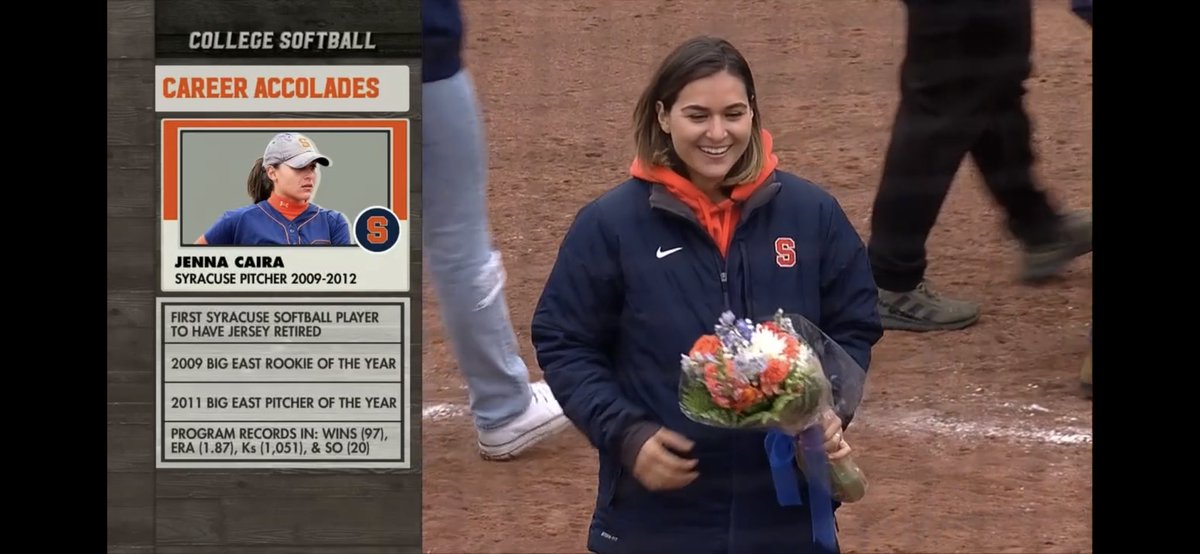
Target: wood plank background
x=232 y=511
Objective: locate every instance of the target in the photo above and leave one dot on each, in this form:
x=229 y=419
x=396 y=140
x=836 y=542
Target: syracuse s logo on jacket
x=785 y=252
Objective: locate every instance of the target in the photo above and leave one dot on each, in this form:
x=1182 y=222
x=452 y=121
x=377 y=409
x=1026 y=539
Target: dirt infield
x=974 y=441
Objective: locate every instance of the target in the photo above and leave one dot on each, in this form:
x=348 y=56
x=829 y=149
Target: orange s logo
x=785 y=252
x=304 y=142
x=377 y=229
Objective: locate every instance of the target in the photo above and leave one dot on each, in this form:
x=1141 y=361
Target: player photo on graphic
x=282 y=187
x=288 y=205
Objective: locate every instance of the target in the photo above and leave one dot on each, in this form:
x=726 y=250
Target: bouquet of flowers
x=783 y=374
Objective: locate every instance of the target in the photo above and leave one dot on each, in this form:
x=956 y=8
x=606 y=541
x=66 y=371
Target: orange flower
x=745 y=396
x=774 y=374
x=713 y=382
x=793 y=347
x=707 y=344
x=721 y=401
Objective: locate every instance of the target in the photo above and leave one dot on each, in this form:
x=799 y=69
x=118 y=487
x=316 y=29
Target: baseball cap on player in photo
x=294 y=149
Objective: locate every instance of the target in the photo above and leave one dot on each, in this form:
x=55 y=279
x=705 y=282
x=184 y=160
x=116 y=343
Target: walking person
x=511 y=414
x=961 y=92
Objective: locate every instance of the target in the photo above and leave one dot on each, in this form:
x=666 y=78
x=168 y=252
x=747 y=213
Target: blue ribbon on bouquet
x=781 y=453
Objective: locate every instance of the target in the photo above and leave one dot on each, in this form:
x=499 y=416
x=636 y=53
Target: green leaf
x=763 y=418
x=698 y=405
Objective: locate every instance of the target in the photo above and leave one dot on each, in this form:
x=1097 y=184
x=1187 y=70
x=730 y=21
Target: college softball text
x=288 y=40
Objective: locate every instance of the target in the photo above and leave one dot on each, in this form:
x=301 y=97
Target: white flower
x=806 y=360
x=765 y=344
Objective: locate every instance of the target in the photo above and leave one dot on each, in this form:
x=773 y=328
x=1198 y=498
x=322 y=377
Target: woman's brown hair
x=258 y=185
x=696 y=58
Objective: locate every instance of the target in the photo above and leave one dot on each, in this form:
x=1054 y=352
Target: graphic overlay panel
x=279 y=405
x=270 y=382
x=204 y=187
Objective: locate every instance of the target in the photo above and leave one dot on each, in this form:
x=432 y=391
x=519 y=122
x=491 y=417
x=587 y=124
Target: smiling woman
x=281 y=184
x=705 y=224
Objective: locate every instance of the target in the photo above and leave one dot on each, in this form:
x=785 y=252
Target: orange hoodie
x=718 y=219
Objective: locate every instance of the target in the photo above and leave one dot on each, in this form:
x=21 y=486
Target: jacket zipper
x=722 y=264
x=723 y=270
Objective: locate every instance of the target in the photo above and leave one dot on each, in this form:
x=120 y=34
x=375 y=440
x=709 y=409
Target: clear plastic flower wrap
x=784 y=374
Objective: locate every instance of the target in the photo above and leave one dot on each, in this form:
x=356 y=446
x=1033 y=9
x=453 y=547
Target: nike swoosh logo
x=662 y=254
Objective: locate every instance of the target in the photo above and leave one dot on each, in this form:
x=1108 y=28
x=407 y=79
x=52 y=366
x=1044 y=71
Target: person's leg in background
x=1085 y=372
x=1083 y=9
x=962 y=87
x=510 y=413
x=1003 y=36
x=935 y=125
